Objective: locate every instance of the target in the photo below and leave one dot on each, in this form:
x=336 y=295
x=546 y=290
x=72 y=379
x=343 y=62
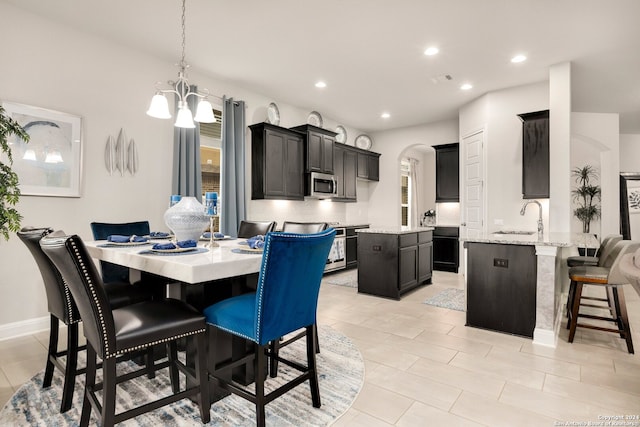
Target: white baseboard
x=24 y=327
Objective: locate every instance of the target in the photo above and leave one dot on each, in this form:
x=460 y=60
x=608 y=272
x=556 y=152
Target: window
x=211 y=157
x=404 y=191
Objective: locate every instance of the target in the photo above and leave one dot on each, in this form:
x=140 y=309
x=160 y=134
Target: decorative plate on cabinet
x=273 y=114
x=363 y=141
x=341 y=136
x=315 y=119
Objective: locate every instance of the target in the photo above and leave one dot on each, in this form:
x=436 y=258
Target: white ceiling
x=370 y=52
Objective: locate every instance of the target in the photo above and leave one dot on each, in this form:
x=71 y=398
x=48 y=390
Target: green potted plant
x=587 y=196
x=9 y=191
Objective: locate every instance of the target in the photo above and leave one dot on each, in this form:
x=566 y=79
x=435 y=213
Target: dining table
x=201 y=276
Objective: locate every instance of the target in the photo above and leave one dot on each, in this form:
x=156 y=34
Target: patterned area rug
x=340 y=372
x=348 y=279
x=450 y=298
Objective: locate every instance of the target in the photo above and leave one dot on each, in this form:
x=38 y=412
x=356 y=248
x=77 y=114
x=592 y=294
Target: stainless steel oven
x=337 y=259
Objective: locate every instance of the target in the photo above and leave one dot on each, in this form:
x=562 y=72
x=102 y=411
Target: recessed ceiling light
x=431 y=51
x=385 y=115
x=321 y=85
x=466 y=86
x=518 y=58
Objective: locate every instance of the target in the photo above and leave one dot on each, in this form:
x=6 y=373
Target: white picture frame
x=50 y=164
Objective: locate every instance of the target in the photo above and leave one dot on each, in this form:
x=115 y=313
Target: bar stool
x=602 y=259
x=611 y=278
x=249 y=229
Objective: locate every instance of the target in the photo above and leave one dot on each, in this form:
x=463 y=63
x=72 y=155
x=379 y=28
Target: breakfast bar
x=515 y=281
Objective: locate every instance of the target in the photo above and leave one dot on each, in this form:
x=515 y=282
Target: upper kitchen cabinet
x=447 y=173
x=368 y=165
x=277 y=157
x=319 y=156
x=535 y=155
x=346 y=163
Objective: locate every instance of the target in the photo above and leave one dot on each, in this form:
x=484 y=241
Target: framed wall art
x=50 y=164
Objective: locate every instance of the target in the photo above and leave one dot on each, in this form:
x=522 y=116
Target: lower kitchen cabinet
x=391 y=264
x=501 y=287
x=446 y=252
x=352 y=245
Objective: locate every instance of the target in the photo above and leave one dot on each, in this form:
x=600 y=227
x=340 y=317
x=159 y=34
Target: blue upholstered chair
x=286 y=300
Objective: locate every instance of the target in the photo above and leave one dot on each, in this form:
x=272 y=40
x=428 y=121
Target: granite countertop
x=548 y=239
x=394 y=230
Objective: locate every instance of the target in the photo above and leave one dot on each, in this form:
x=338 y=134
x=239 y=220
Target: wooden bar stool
x=611 y=278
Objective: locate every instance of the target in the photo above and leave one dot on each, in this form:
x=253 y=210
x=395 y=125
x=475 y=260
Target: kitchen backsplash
x=448 y=214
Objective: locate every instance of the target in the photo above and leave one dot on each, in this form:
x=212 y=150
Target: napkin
x=115 y=238
x=181 y=244
x=158 y=234
x=256 y=242
x=207 y=235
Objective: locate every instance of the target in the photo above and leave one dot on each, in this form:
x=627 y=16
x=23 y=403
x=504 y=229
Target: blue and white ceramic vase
x=186 y=219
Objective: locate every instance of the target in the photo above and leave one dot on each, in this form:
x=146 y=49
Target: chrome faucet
x=524 y=208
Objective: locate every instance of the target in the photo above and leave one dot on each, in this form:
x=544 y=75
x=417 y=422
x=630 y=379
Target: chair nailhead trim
x=138 y=347
x=67 y=299
x=93 y=295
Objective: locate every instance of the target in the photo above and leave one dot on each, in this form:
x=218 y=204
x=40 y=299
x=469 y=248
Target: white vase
x=186 y=219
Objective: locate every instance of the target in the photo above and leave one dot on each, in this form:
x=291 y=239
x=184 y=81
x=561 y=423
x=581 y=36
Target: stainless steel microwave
x=321 y=185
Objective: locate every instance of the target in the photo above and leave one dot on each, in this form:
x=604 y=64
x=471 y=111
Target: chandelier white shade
x=159 y=107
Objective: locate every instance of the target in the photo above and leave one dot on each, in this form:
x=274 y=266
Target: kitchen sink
x=527 y=233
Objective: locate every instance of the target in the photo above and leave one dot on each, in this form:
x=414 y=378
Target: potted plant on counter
x=586 y=195
x=9 y=191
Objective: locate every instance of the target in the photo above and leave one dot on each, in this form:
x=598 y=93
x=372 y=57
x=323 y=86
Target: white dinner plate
x=245 y=247
x=176 y=250
x=127 y=243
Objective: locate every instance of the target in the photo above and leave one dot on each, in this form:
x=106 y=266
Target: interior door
x=473 y=219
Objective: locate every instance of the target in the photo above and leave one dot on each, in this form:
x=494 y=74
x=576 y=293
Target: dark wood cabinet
x=390 y=265
x=535 y=155
x=368 y=165
x=446 y=252
x=277 y=163
x=352 y=245
x=501 y=287
x=319 y=155
x=447 y=173
x=345 y=164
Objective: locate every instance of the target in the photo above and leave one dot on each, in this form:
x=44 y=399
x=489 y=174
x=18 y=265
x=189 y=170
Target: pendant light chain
x=184 y=37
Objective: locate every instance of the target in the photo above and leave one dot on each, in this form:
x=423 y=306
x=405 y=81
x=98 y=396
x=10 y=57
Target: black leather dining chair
x=62 y=308
x=304 y=227
x=111 y=333
x=249 y=229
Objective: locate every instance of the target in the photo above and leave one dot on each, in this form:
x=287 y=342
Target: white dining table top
x=216 y=263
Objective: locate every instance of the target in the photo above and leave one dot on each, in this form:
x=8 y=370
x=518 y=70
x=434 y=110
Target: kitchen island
x=515 y=282
x=394 y=260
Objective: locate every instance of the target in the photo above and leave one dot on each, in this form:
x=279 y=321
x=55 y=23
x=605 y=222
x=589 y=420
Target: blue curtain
x=187 y=176
x=233 y=173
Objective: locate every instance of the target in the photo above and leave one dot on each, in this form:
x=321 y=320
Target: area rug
x=340 y=375
x=450 y=298
x=348 y=279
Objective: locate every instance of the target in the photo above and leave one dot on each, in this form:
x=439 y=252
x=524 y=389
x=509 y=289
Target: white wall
x=630 y=153
x=384 y=196
x=110 y=86
x=595 y=141
x=497 y=113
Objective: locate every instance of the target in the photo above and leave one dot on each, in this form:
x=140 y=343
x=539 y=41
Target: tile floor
x=424 y=367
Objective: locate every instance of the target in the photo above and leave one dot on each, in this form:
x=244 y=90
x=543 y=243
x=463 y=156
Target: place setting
x=174 y=248
x=116 y=240
x=253 y=245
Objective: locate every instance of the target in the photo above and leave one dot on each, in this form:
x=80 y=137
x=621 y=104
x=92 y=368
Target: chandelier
x=159 y=107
